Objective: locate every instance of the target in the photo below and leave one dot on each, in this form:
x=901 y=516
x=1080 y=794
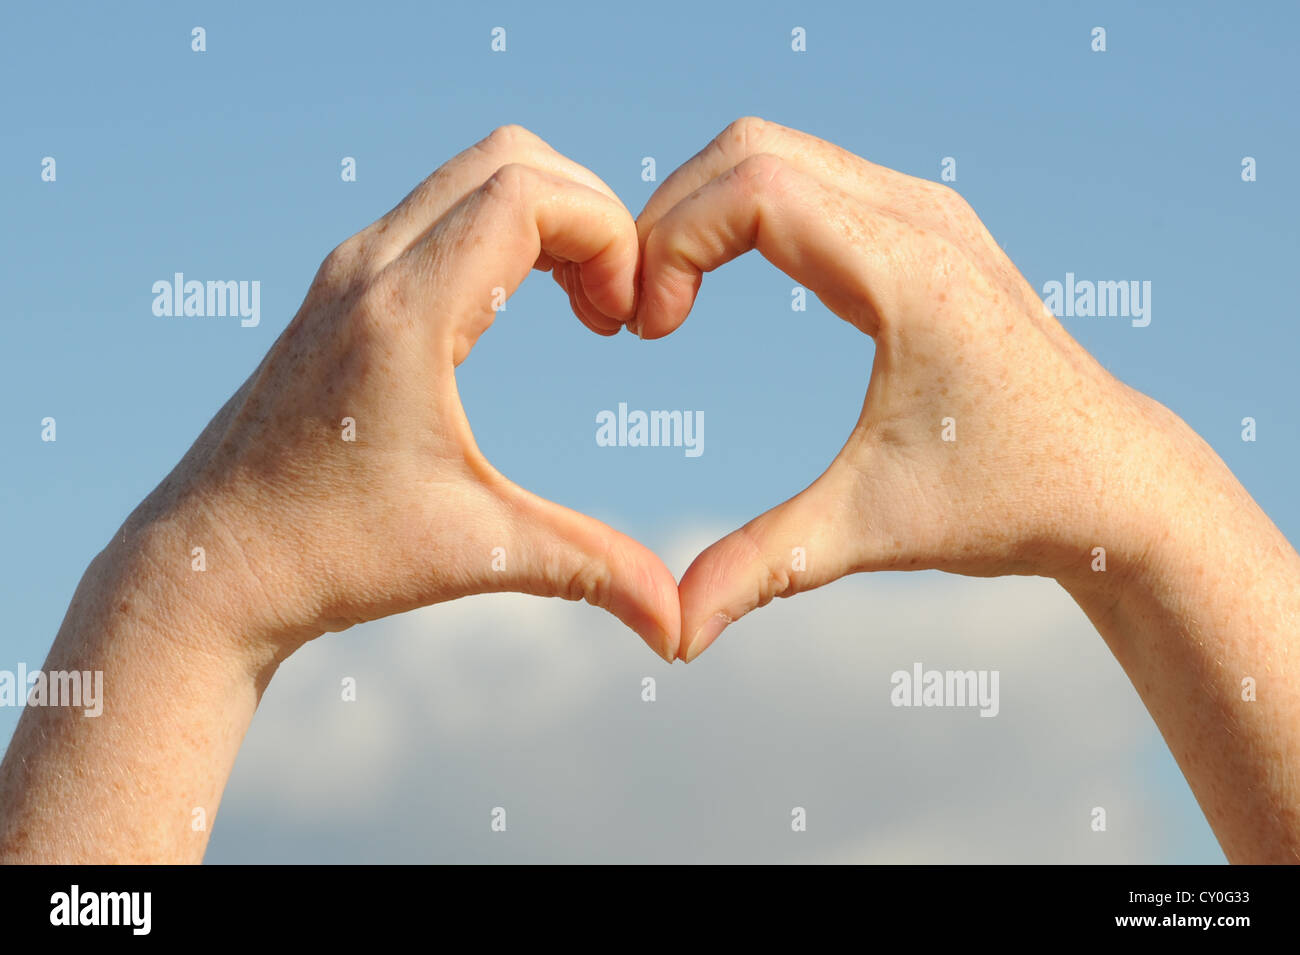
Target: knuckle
x=773 y=578
x=744 y=135
x=759 y=172
x=950 y=205
x=382 y=298
x=508 y=183
x=774 y=582
x=590 y=583
x=943 y=259
x=953 y=201
x=508 y=136
x=342 y=264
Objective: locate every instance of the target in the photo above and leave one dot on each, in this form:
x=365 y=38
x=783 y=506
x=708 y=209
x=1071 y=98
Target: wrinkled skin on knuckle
x=509 y=186
x=742 y=137
x=753 y=183
x=776 y=582
x=773 y=578
x=959 y=222
x=942 y=268
x=337 y=266
x=346 y=265
x=380 y=305
x=955 y=204
x=509 y=140
x=942 y=198
x=760 y=173
x=590 y=583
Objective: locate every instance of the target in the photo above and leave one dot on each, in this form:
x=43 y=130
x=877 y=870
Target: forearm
x=341 y=483
x=1207 y=626
x=141 y=781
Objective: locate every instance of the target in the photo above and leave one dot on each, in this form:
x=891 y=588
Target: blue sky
x=225 y=165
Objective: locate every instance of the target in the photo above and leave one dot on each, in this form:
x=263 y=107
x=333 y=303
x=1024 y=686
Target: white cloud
x=535 y=705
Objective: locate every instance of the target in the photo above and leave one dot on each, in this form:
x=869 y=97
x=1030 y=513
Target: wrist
x=181 y=561
x=1167 y=497
x=177 y=679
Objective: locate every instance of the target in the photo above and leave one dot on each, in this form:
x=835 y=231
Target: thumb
x=551 y=551
x=800 y=545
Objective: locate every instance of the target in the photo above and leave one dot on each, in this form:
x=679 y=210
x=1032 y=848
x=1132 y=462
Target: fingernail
x=707 y=634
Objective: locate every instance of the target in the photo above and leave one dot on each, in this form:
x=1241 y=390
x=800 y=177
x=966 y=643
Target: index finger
x=751 y=136
x=487 y=244
x=402 y=226
x=854 y=256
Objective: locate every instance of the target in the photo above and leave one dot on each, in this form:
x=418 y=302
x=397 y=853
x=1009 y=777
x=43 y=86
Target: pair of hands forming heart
x=989 y=443
x=986 y=444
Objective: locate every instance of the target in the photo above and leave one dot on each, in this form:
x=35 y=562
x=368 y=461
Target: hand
x=989 y=442
x=334 y=532
x=305 y=531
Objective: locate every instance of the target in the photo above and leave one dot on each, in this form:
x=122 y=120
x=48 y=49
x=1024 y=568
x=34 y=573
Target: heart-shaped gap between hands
x=936 y=473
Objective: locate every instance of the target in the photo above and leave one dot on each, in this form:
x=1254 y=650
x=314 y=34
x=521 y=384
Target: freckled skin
x=1053 y=457
x=306 y=532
